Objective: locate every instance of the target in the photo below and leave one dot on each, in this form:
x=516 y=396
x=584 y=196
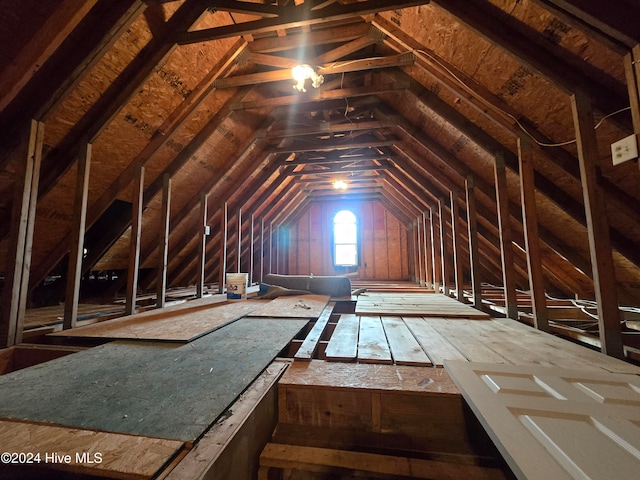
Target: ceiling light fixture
x=304 y=72
x=340 y=185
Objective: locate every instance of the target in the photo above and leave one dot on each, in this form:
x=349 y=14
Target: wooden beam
x=251 y=247
x=76 y=253
x=456 y=235
x=632 y=73
x=66 y=16
x=506 y=242
x=474 y=247
x=426 y=232
x=531 y=238
x=163 y=242
x=604 y=278
x=202 y=248
x=14 y=294
x=435 y=257
x=261 y=249
x=239 y=240
x=297 y=17
x=326 y=69
x=134 y=245
x=444 y=250
x=223 y=246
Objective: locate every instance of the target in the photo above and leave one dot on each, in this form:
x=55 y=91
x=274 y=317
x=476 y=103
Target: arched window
x=345 y=239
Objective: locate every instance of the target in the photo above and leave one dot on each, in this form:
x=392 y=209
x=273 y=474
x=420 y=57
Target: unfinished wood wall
x=383 y=242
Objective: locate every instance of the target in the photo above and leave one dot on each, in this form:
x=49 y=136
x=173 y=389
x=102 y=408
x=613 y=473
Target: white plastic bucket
x=237 y=286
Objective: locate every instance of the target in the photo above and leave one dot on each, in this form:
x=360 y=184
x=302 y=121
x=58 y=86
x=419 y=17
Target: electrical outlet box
x=625 y=149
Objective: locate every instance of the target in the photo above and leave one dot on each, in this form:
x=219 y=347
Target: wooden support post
x=76 y=252
x=202 y=248
x=435 y=257
x=261 y=249
x=506 y=244
x=420 y=247
x=278 y=249
x=163 y=242
x=18 y=263
x=474 y=247
x=271 y=247
x=604 y=279
x=223 y=246
x=443 y=247
x=239 y=258
x=427 y=252
x=531 y=236
x=456 y=235
x=632 y=72
x=134 y=245
x=251 y=247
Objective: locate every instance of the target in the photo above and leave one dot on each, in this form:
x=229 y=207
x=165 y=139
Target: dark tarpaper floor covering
x=149 y=389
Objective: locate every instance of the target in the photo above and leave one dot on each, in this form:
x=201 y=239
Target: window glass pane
x=345 y=233
x=346 y=255
x=344 y=216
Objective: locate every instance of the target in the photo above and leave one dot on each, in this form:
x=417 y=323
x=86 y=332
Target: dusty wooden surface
x=298 y=306
x=100 y=453
x=149 y=389
x=411 y=304
x=178 y=325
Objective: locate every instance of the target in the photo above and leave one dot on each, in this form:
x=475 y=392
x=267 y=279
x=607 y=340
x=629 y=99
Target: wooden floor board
x=437 y=347
x=310 y=343
x=405 y=349
x=343 y=345
x=417 y=304
x=372 y=342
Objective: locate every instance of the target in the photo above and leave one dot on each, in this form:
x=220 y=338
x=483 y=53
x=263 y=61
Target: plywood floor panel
x=421 y=305
x=119 y=456
x=179 y=326
x=150 y=389
x=298 y=306
x=437 y=347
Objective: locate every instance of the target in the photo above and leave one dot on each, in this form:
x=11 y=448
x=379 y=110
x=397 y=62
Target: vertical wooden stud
x=632 y=72
x=251 y=248
x=531 y=236
x=163 y=242
x=444 y=259
x=239 y=238
x=261 y=249
x=427 y=252
x=474 y=247
x=456 y=235
x=202 y=247
x=506 y=243
x=76 y=252
x=134 y=245
x=223 y=246
x=435 y=256
x=604 y=279
x=18 y=263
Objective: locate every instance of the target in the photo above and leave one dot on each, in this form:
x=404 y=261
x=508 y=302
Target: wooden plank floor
x=415 y=304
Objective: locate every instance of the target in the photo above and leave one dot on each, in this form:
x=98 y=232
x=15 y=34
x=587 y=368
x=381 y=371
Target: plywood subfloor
x=118 y=455
x=150 y=389
x=415 y=304
x=298 y=306
x=40 y=317
x=177 y=326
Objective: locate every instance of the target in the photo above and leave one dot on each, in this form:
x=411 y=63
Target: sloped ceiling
x=417 y=97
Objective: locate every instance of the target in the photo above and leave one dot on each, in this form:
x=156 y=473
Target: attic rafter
x=326 y=69
x=564 y=73
x=298 y=16
x=330 y=127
